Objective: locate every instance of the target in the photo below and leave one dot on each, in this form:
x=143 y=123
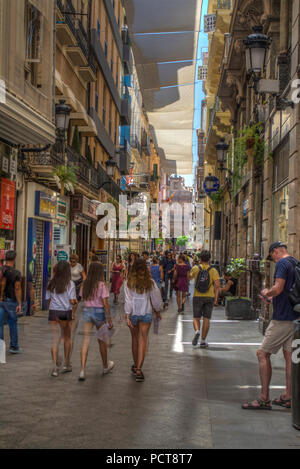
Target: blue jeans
x=8 y=307
x=166 y=288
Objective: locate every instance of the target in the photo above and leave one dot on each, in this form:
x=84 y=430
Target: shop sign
x=62 y=256
x=62 y=210
x=88 y=208
x=45 y=205
x=8 y=190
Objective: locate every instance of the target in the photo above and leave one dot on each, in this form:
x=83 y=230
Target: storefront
x=8 y=171
x=47 y=237
x=83 y=214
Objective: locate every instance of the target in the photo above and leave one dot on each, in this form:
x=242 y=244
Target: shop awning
x=164 y=37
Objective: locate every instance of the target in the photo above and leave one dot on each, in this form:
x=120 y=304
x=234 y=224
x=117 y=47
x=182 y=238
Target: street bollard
x=296 y=377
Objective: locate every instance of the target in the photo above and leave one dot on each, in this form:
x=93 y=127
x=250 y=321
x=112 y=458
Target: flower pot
x=238 y=308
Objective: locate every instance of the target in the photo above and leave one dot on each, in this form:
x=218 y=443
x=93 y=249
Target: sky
x=199 y=95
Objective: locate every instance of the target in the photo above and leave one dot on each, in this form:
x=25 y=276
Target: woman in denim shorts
x=142 y=295
x=96 y=312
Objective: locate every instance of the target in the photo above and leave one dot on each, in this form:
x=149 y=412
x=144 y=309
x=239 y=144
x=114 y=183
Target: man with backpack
x=280 y=331
x=207 y=284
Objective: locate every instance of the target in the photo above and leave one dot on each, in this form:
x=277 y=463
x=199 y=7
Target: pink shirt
x=96 y=302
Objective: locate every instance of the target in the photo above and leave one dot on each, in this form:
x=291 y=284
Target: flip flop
x=262 y=405
x=282 y=402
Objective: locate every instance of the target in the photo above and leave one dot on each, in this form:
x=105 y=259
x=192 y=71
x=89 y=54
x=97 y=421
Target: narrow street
x=191 y=398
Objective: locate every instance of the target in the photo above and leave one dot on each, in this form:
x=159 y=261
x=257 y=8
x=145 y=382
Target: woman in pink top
x=96 y=312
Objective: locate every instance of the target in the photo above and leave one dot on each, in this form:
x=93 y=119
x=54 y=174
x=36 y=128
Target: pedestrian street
x=191 y=398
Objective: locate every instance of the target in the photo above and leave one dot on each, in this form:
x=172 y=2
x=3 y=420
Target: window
x=281 y=164
x=33 y=44
x=98 y=28
x=105 y=49
x=96 y=102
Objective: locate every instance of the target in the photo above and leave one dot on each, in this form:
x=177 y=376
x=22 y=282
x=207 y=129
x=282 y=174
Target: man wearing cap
x=280 y=331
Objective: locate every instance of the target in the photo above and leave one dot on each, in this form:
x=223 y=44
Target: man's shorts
x=278 y=334
x=202 y=307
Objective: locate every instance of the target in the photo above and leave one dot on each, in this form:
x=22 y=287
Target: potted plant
x=65 y=178
x=237 y=307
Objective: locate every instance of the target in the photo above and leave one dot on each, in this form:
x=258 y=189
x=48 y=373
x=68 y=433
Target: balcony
x=135 y=143
x=127 y=59
x=66 y=23
x=125 y=109
x=78 y=53
x=86 y=174
x=125 y=156
x=146 y=145
x=112 y=187
x=89 y=72
x=43 y=164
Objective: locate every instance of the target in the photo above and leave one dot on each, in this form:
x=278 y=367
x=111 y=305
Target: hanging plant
x=216 y=197
x=65 y=177
x=89 y=156
x=76 y=144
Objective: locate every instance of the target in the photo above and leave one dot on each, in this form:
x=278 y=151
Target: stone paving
x=191 y=398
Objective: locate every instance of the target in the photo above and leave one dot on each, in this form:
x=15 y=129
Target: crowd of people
x=149 y=281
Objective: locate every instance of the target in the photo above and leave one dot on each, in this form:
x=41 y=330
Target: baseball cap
x=276 y=244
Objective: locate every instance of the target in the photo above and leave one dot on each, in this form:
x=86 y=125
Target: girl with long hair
x=142 y=296
x=61 y=296
x=96 y=312
x=133 y=256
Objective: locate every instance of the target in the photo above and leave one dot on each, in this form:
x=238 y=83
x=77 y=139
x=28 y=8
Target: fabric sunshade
x=164 y=38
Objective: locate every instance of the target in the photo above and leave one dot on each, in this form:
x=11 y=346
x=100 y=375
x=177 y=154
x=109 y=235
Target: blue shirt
x=155 y=272
x=168 y=265
x=282 y=308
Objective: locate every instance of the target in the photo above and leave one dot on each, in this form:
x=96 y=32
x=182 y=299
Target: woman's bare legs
x=66 y=334
x=135 y=341
x=143 y=331
x=178 y=293
x=88 y=326
x=55 y=342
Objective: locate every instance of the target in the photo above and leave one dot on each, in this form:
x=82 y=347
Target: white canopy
x=164 y=37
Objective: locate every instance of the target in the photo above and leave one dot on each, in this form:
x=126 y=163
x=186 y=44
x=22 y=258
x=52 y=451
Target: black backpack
x=203 y=280
x=294 y=293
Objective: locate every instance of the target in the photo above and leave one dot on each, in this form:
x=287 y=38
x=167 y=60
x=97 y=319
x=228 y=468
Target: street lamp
x=257 y=46
x=110 y=167
x=222 y=149
x=62 y=117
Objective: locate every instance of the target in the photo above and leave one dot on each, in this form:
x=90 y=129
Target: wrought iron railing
x=82 y=38
x=111 y=187
x=212 y=116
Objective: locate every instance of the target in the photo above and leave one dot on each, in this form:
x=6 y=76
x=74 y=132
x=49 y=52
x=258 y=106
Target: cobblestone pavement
x=191 y=398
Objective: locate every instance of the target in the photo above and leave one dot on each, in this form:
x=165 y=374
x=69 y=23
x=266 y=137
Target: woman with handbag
x=142 y=296
x=96 y=313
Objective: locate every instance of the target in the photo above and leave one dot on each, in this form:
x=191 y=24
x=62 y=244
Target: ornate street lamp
x=222 y=149
x=62 y=117
x=257 y=46
x=210 y=182
x=110 y=167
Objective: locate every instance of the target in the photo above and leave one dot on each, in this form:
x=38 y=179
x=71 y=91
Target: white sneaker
x=109 y=368
x=67 y=369
x=54 y=373
x=81 y=376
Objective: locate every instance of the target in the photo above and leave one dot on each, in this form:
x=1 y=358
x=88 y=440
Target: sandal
x=262 y=405
x=139 y=377
x=282 y=402
x=133 y=370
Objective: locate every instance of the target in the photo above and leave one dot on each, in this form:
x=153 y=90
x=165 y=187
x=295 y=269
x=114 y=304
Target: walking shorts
x=202 y=307
x=278 y=334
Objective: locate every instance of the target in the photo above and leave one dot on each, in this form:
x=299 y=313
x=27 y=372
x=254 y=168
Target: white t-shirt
x=139 y=304
x=76 y=272
x=61 y=301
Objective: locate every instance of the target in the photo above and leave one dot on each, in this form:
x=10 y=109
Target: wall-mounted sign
x=62 y=209
x=245 y=206
x=202 y=72
x=210 y=23
x=211 y=184
x=45 y=205
x=8 y=190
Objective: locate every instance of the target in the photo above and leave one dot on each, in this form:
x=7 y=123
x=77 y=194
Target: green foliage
x=76 y=144
x=216 y=197
x=182 y=240
x=250 y=137
x=65 y=177
x=236 y=267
